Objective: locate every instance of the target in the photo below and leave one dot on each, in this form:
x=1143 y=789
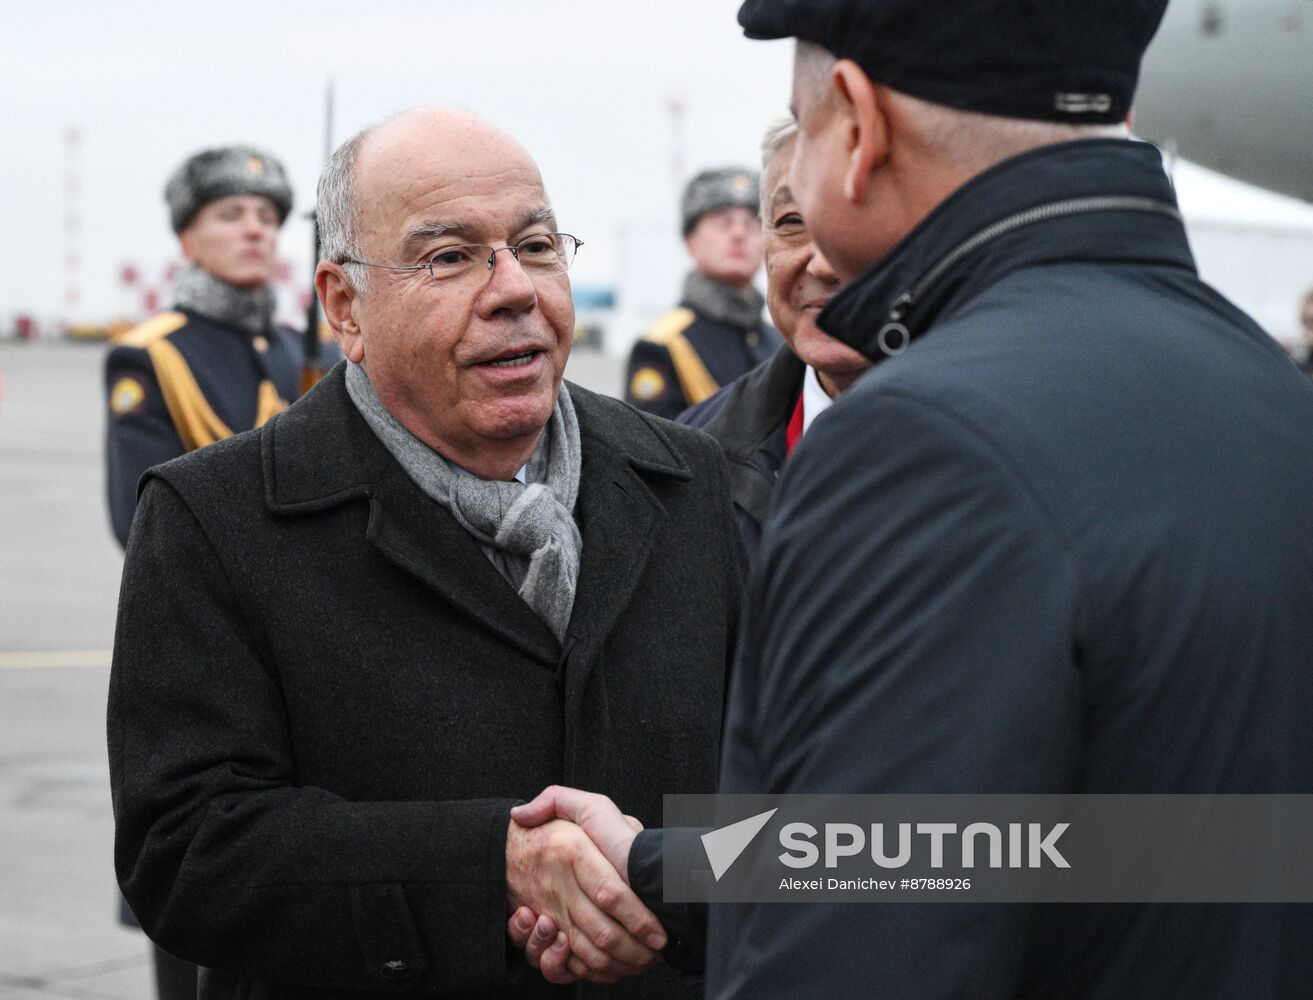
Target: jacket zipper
x=894 y=336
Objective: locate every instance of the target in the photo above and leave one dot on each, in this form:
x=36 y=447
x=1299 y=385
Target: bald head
x=465 y=345
x=432 y=156
x=368 y=171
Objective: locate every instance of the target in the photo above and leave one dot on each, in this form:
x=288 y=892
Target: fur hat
x=217 y=173
x=728 y=187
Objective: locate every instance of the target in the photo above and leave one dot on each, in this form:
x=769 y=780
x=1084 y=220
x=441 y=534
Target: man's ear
x=338 y=296
x=866 y=124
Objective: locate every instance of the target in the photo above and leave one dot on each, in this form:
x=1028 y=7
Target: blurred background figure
x=717 y=332
x=761 y=417
x=1305 y=356
x=214 y=365
x=217 y=363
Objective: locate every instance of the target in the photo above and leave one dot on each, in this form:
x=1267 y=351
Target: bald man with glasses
x=352 y=640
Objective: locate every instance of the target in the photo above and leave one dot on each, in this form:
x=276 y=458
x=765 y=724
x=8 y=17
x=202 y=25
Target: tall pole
x=677 y=109
x=72 y=223
x=310 y=370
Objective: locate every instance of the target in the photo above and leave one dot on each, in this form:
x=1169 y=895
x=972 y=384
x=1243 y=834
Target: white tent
x=1253 y=246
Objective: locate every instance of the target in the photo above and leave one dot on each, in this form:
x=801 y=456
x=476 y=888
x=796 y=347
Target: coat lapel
x=321 y=453
x=620 y=517
x=422 y=538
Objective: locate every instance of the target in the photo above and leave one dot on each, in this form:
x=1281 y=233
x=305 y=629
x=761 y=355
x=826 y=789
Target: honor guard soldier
x=216 y=364
x=717 y=332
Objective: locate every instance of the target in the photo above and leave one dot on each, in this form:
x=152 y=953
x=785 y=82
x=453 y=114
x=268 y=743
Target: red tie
x=794 y=434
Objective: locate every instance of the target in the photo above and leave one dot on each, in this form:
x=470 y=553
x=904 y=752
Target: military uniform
x=217 y=364
x=182 y=380
x=686 y=358
x=717 y=332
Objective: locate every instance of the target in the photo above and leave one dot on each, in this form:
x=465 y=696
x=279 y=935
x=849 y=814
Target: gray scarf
x=713 y=299
x=528 y=531
x=249 y=309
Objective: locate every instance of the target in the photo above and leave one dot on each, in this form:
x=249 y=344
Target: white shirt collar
x=814 y=399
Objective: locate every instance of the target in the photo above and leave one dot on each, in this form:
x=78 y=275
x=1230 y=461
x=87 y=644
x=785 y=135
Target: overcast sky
x=585 y=84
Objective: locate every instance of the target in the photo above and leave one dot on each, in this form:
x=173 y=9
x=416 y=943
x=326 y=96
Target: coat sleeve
x=225 y=857
x=910 y=628
x=139 y=432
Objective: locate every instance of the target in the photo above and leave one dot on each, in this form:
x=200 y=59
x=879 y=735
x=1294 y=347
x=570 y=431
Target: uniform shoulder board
x=155 y=328
x=671 y=325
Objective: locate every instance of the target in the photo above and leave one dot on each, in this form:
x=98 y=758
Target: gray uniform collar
x=249 y=309
x=740 y=307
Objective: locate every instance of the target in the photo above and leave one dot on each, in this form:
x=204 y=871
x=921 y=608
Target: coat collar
x=758 y=405
x=750 y=426
x=320 y=453
x=620 y=514
x=1083 y=169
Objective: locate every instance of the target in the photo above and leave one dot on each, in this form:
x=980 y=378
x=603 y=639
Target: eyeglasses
x=540 y=254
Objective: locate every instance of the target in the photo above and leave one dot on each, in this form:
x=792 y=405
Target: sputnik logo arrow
x=724 y=846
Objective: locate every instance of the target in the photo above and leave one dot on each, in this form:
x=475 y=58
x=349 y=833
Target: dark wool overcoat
x=1059 y=545
x=749 y=419
x=325 y=699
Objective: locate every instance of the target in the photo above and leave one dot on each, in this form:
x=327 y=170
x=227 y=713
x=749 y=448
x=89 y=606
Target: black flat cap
x=1074 y=61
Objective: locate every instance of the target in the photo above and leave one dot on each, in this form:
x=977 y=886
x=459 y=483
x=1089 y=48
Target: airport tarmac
x=59 y=569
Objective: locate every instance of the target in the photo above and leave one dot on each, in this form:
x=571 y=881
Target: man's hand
x=554 y=870
x=545 y=947
x=607 y=827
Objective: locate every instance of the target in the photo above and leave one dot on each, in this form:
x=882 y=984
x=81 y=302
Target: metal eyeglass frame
x=492 y=255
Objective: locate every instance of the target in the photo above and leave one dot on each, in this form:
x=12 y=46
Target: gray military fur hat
x=727 y=187
x=216 y=173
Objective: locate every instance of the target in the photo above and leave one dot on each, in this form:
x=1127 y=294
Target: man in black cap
x=717 y=332
x=216 y=363
x=1056 y=541
x=1021 y=555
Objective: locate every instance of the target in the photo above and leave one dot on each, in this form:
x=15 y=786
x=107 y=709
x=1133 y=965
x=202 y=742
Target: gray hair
x=336 y=213
x=779 y=134
x=973 y=140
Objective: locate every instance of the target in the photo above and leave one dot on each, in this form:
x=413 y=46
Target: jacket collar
x=1084 y=169
x=758 y=405
x=320 y=453
x=751 y=427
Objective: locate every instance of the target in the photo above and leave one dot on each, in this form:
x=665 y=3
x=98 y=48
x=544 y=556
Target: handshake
x=567 y=887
